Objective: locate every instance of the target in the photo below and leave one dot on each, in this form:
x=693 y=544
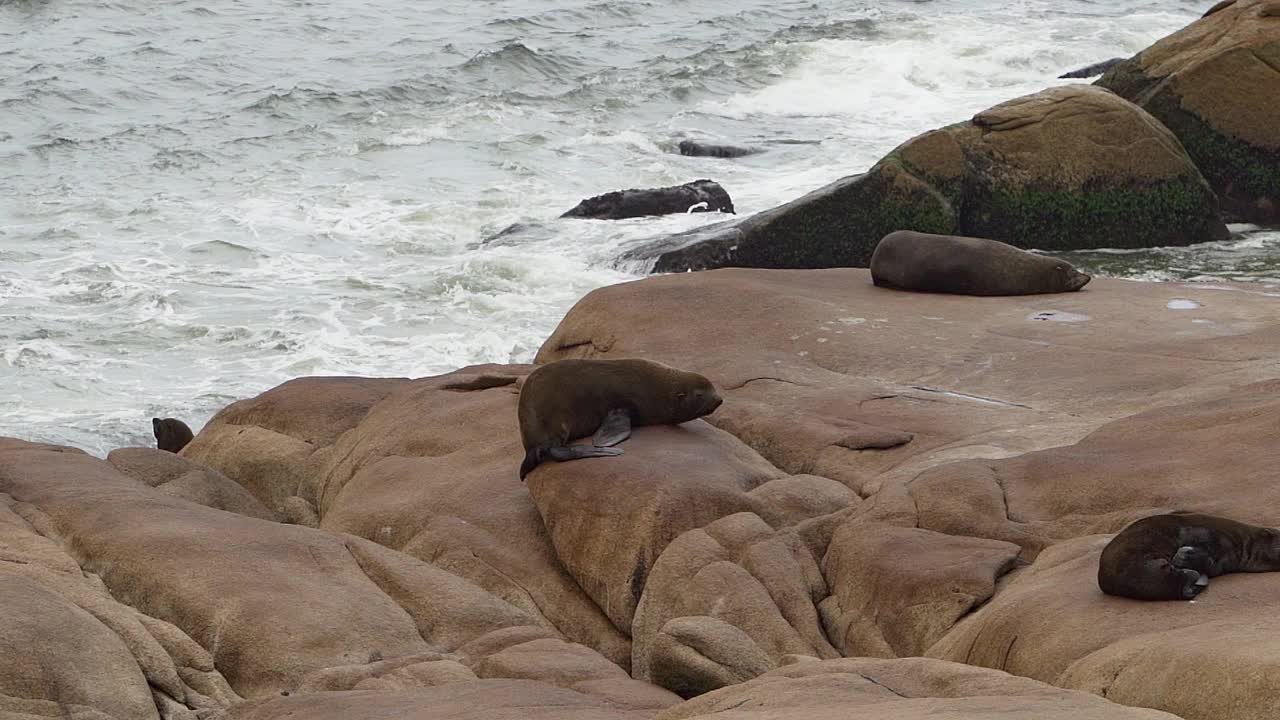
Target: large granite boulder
x=1067 y=168
x=1214 y=84
x=125 y=601
x=428 y=467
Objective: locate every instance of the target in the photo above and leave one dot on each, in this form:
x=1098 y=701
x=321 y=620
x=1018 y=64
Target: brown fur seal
x=171 y=434
x=570 y=399
x=1172 y=557
x=909 y=260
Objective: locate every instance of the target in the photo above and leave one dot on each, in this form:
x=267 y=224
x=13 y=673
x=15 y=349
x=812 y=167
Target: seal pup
x=908 y=260
x=171 y=434
x=566 y=400
x=1172 y=557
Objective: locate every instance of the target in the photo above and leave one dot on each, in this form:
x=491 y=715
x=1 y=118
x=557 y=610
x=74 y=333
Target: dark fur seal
x=696 y=196
x=1172 y=557
x=570 y=399
x=171 y=434
x=1097 y=68
x=909 y=260
x=693 y=148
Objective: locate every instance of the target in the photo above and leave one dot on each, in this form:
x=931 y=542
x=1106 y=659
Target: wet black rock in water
x=693 y=148
x=696 y=196
x=1091 y=70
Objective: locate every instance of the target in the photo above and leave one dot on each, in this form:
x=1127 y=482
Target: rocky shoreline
x=892 y=475
x=897 y=511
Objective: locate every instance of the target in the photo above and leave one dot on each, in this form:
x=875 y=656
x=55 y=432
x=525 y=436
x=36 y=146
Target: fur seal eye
x=682 y=395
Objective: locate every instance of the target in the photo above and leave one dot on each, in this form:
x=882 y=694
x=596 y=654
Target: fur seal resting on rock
x=693 y=148
x=171 y=434
x=908 y=260
x=696 y=196
x=570 y=399
x=1172 y=557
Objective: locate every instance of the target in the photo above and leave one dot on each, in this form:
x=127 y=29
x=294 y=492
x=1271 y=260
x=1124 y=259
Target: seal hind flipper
x=535 y=457
x=615 y=428
x=577 y=452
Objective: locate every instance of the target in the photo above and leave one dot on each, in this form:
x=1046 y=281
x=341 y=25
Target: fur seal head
x=566 y=400
x=171 y=434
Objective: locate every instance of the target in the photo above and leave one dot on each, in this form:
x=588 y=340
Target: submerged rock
x=696 y=196
x=1068 y=168
x=1215 y=84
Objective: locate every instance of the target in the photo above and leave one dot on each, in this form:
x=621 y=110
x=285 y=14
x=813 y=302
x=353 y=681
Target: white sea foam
x=338 y=228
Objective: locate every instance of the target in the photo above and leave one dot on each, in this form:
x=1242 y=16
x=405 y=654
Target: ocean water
x=203 y=198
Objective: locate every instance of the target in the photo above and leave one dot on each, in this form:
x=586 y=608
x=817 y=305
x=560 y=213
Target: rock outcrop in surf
x=696 y=196
x=1215 y=84
x=1068 y=168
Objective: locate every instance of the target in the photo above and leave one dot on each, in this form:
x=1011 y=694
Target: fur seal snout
x=566 y=400
x=1172 y=557
x=908 y=260
x=171 y=434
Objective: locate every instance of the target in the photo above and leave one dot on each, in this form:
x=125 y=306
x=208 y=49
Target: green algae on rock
x=1068 y=168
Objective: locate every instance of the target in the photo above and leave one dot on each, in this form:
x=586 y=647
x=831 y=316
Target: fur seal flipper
x=615 y=428
x=566 y=400
x=1172 y=557
x=171 y=434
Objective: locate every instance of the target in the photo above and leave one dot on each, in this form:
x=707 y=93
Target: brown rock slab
x=813 y=364
x=725 y=603
x=54 y=653
x=1211 y=658
x=611 y=518
x=476 y=700
x=896 y=590
x=177 y=476
x=427 y=467
x=269 y=602
x=907 y=689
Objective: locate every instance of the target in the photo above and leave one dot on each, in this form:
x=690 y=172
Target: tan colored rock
x=487 y=699
x=419 y=675
x=54 y=653
x=1212 y=456
x=695 y=655
x=1214 y=84
x=792 y=500
x=427 y=467
x=811 y=363
x=271 y=603
x=1212 y=658
x=1069 y=167
x=725 y=603
x=907 y=689
x=897 y=591
x=610 y=519
x=177 y=476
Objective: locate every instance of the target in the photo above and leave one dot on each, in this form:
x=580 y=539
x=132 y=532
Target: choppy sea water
x=201 y=199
